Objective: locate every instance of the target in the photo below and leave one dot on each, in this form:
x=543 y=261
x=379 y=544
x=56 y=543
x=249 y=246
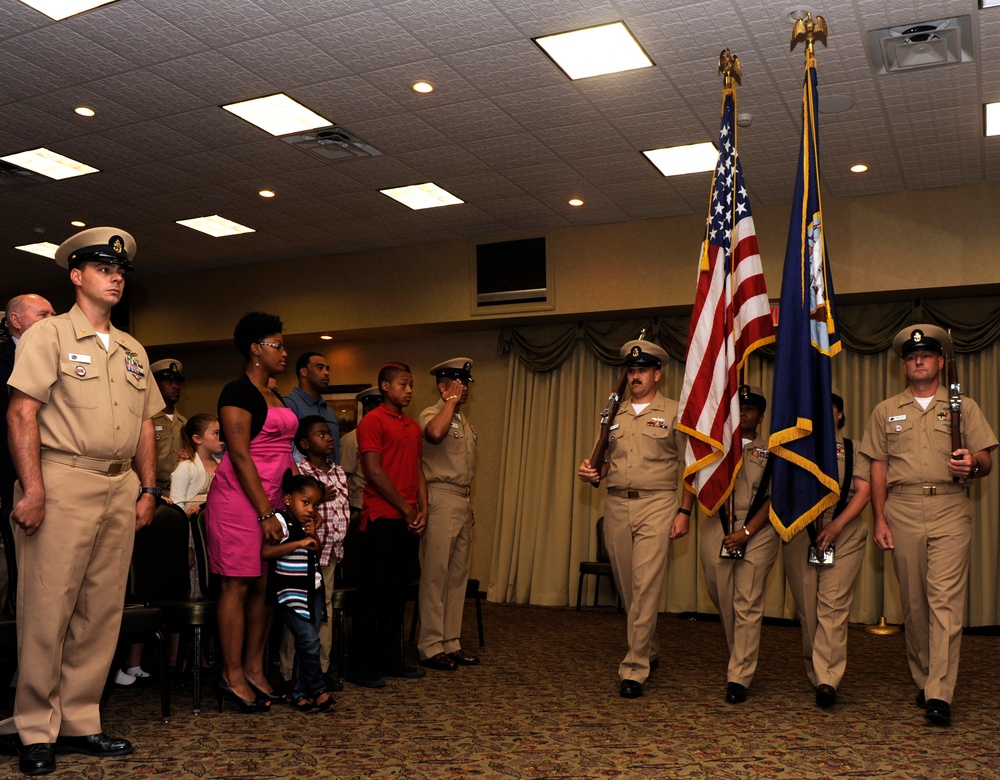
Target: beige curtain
x=546 y=517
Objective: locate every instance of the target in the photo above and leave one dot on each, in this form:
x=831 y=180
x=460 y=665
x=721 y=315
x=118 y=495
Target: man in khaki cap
x=641 y=514
x=81 y=429
x=738 y=551
x=449 y=461
x=919 y=485
x=168 y=424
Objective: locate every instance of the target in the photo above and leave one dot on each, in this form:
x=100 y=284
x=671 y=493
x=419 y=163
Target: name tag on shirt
x=614 y=427
x=897 y=417
x=75 y=358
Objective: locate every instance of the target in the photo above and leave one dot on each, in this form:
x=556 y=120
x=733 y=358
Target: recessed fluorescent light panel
x=678 y=160
x=422 y=196
x=62 y=9
x=989 y=3
x=595 y=51
x=215 y=226
x=278 y=115
x=48 y=163
x=993 y=117
x=45 y=249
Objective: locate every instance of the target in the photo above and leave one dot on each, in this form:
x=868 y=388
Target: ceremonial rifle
x=954 y=396
x=600 y=452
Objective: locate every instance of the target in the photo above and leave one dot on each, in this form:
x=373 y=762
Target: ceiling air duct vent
x=331 y=144
x=921 y=45
x=15 y=176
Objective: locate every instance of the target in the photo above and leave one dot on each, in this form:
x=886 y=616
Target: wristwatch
x=975 y=469
x=155 y=491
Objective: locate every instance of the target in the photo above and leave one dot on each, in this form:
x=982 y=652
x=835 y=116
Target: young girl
x=295 y=584
x=191 y=479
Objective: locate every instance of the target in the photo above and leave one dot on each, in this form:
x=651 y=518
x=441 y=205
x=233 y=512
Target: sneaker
x=138 y=672
x=124 y=679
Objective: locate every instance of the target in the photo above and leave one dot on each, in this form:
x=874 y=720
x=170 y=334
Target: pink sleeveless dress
x=234 y=533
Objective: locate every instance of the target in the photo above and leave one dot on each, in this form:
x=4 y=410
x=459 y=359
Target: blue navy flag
x=803 y=438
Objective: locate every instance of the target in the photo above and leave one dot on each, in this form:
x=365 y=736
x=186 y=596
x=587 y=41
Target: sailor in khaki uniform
x=823 y=584
x=641 y=513
x=736 y=580
x=923 y=514
x=168 y=424
x=82 y=436
x=449 y=462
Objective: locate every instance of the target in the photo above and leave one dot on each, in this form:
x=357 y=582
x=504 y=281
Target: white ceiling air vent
x=921 y=45
x=15 y=176
x=331 y=144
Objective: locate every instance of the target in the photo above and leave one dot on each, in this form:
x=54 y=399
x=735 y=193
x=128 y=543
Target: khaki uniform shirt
x=755 y=455
x=351 y=465
x=168 y=445
x=916 y=442
x=862 y=469
x=645 y=450
x=93 y=400
x=453 y=460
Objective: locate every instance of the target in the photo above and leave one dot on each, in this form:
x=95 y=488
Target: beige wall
x=412 y=304
x=923 y=240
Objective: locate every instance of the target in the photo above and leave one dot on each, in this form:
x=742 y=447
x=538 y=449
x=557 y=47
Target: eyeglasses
x=274 y=345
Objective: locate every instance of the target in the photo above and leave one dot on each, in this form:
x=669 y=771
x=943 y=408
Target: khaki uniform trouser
x=637 y=535
x=444 y=573
x=736 y=587
x=932 y=535
x=823 y=597
x=286 y=655
x=71 y=590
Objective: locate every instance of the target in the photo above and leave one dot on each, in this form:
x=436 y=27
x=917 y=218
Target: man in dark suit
x=22 y=312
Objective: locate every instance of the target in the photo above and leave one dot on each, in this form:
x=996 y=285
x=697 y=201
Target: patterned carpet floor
x=545 y=704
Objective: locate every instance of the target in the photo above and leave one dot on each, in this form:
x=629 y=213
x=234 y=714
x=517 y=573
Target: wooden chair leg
x=196 y=672
x=479 y=621
x=161 y=637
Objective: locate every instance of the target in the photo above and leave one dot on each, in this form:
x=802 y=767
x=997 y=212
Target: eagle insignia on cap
x=744 y=392
x=467 y=366
x=117 y=244
x=636 y=351
x=917 y=336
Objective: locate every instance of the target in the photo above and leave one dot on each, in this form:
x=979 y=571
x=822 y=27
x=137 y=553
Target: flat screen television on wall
x=512 y=272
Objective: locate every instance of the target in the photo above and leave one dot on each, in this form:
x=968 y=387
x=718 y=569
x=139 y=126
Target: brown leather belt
x=628 y=493
x=109 y=467
x=465 y=492
x=938 y=489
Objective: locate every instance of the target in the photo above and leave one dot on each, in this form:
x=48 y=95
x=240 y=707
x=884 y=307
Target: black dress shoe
x=921 y=702
x=404 y=671
x=654 y=665
x=37 y=759
x=94 y=745
x=333 y=684
x=938 y=712
x=630 y=689
x=735 y=693
x=826 y=695
x=372 y=681
x=442 y=662
x=462 y=658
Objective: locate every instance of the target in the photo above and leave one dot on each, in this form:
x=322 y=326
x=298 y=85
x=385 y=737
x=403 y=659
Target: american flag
x=731 y=318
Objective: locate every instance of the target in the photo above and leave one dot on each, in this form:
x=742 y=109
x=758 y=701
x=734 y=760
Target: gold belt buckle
x=633 y=494
x=930 y=490
x=115 y=467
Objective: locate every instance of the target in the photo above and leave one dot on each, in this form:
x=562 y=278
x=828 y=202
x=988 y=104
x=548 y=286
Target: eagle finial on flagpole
x=808 y=30
x=729 y=67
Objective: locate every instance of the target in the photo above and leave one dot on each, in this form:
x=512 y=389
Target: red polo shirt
x=398 y=439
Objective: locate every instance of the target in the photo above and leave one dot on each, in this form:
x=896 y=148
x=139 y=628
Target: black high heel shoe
x=223 y=692
x=270 y=698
